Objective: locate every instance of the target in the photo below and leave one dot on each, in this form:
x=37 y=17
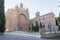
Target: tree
x=58 y=21
x=36 y=27
x=2 y=17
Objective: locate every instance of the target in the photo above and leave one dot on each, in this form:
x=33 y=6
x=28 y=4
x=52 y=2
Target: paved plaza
x=18 y=35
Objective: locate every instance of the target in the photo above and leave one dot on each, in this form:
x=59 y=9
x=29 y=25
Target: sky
x=43 y=6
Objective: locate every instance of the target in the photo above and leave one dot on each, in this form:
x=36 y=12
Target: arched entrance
x=22 y=22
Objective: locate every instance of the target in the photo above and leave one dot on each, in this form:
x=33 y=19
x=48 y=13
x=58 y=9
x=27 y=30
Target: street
x=18 y=35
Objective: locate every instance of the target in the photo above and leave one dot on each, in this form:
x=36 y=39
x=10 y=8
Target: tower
x=37 y=14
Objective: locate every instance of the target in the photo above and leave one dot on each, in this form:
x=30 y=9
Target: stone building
x=17 y=19
x=47 y=20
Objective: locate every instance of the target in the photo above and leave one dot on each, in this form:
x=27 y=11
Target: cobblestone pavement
x=21 y=36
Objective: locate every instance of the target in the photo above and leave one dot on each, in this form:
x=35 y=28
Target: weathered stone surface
x=17 y=19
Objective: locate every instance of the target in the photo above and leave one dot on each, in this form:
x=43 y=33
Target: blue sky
x=43 y=6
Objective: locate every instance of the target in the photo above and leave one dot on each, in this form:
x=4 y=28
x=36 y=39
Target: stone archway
x=22 y=22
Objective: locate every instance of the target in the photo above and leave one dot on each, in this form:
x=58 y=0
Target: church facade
x=17 y=19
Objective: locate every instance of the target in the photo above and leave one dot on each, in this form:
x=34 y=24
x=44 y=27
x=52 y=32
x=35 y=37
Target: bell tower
x=37 y=14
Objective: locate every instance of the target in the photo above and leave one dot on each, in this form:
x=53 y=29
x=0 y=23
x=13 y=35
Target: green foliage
x=35 y=28
x=59 y=27
x=59 y=19
x=57 y=22
x=2 y=17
